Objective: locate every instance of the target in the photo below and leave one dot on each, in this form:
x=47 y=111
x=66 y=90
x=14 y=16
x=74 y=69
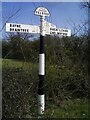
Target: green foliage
x=5 y=48
x=20 y=49
x=58 y=50
x=20 y=84
x=68 y=109
x=66 y=75
x=19 y=88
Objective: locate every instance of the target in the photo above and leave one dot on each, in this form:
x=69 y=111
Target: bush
x=19 y=91
x=66 y=73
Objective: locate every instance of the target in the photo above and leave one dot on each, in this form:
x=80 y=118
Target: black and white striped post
x=41 y=99
x=42 y=12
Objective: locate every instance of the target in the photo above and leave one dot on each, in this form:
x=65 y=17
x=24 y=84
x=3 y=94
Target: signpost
x=42 y=12
x=45 y=28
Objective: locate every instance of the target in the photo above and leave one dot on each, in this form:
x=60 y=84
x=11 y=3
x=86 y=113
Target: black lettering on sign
x=19 y=26
x=15 y=29
x=10 y=25
x=18 y=30
x=27 y=30
x=15 y=25
x=11 y=29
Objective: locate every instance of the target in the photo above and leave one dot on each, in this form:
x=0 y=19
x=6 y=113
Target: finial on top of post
x=41 y=11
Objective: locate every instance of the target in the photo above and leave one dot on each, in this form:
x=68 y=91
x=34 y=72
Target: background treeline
x=67 y=56
x=66 y=72
x=57 y=49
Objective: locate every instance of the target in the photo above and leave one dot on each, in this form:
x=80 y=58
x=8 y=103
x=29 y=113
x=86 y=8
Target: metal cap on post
x=42 y=12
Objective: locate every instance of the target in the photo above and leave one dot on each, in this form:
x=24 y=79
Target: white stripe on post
x=41 y=103
x=42 y=27
x=42 y=64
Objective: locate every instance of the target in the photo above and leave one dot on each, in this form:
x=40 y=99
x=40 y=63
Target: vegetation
x=66 y=79
x=20 y=93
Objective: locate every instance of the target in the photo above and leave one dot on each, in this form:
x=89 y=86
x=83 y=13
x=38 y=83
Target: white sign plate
x=14 y=27
x=49 y=29
x=41 y=11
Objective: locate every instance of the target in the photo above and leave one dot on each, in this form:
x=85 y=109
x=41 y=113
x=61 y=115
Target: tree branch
x=9 y=19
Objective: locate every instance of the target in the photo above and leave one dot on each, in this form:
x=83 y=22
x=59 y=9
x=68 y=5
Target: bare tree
x=82 y=28
x=10 y=17
x=85 y=4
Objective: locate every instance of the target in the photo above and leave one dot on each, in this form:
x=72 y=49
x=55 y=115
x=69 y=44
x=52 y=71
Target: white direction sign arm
x=14 y=27
x=50 y=29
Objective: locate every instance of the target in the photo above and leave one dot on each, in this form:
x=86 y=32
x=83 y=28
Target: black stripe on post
x=41 y=85
x=41 y=44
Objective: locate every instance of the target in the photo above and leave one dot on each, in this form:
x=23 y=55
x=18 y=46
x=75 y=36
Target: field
x=20 y=84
